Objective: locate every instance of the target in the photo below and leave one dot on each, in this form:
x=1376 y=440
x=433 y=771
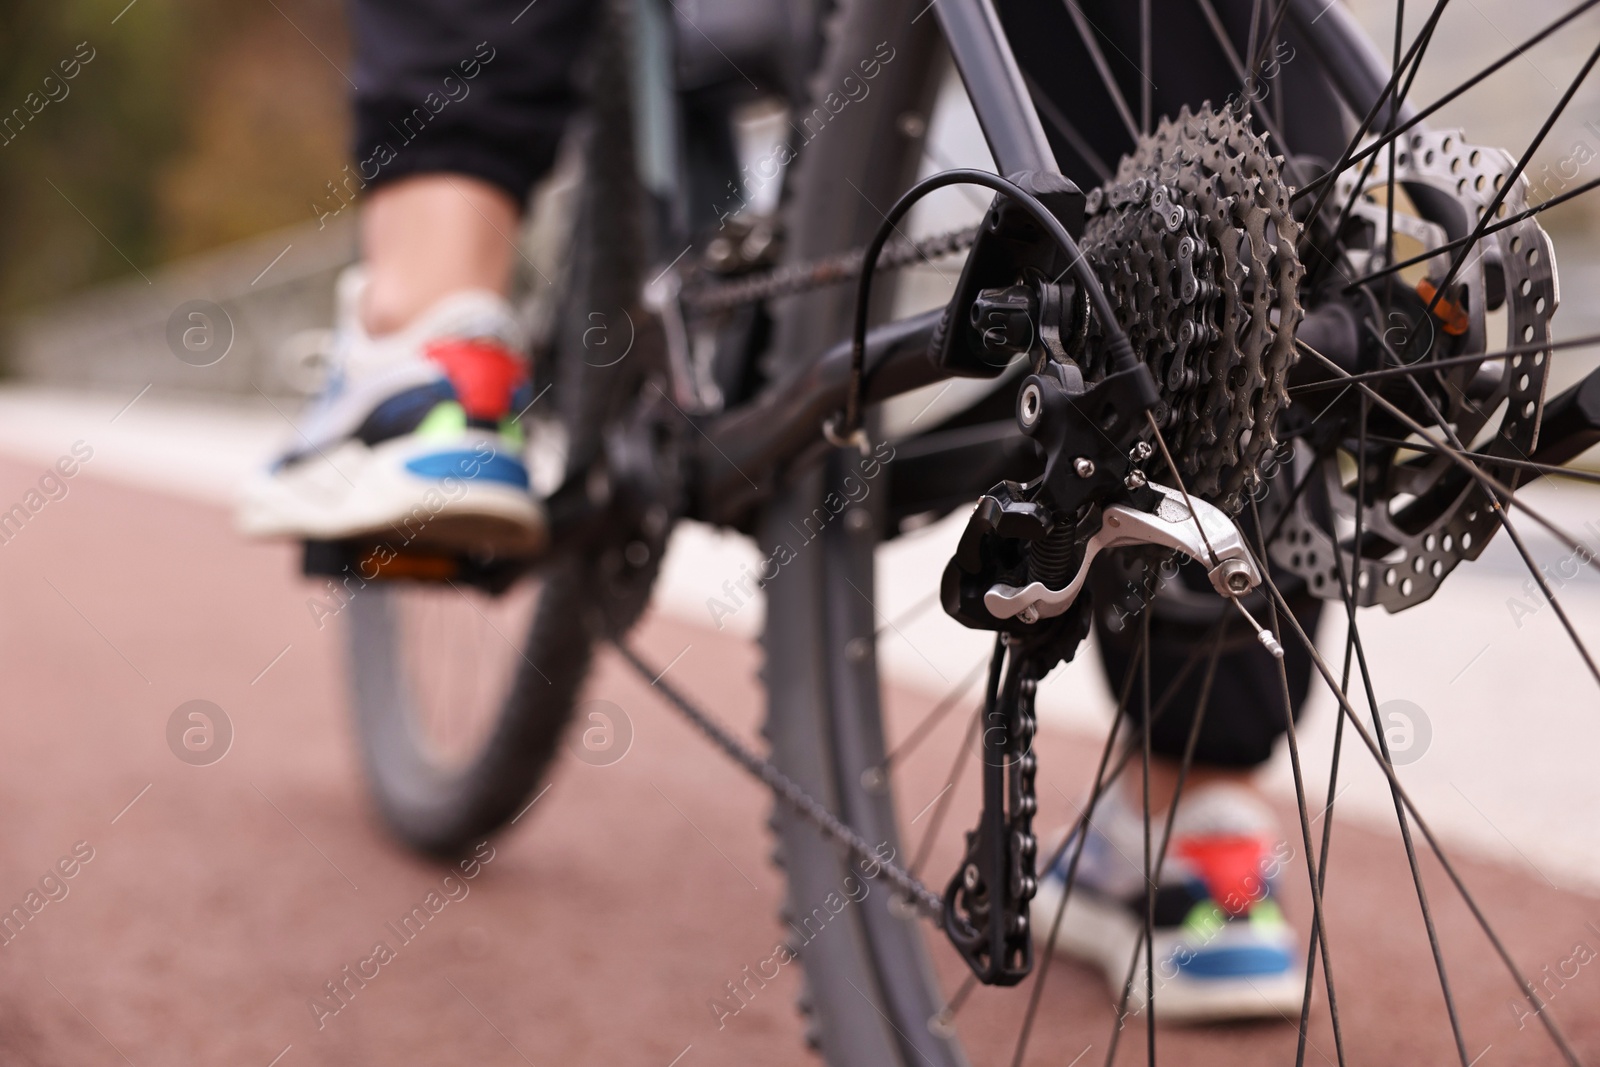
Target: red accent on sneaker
x=484 y=373
x=1231 y=867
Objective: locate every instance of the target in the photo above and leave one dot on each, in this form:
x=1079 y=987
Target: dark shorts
x=476 y=87
x=1244 y=711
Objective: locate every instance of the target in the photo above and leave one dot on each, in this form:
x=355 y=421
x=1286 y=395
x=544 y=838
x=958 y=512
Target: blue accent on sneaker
x=492 y=468
x=1236 y=961
x=403 y=412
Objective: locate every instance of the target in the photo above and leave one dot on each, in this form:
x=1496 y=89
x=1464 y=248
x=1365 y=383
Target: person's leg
x=1222 y=944
x=1164 y=774
x=1244 y=713
x=459 y=111
x=427 y=236
x=416 y=443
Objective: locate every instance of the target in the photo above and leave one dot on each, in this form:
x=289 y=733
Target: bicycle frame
x=738 y=452
x=781 y=425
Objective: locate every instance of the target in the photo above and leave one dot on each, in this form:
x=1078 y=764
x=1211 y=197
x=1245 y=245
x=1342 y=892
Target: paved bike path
x=207 y=906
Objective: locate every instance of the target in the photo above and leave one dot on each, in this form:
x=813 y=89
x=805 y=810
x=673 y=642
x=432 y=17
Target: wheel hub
x=1423 y=514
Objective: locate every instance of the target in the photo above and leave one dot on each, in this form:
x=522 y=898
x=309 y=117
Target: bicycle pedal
x=372 y=561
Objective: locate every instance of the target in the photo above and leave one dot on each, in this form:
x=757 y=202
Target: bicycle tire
x=868 y=992
x=441 y=809
x=870 y=995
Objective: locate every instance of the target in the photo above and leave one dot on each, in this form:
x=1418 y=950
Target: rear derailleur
x=1020 y=570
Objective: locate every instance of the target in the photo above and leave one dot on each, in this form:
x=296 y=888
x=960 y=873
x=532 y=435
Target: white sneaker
x=1222 y=947
x=415 y=440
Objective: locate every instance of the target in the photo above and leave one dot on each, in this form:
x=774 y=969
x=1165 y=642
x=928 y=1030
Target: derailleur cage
x=986 y=905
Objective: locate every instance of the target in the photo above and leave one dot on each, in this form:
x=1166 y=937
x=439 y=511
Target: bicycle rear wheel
x=869 y=989
x=872 y=991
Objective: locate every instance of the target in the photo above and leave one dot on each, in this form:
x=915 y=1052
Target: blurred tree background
x=196 y=123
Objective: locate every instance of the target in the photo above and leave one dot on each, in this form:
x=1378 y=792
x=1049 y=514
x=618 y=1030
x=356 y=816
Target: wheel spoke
x=1149 y=872
x=967 y=986
x=1201 y=705
x=1147 y=88
x=1100 y=784
x=1126 y=758
x=907 y=617
x=1220 y=32
x=1318 y=913
x=1394 y=116
x=920 y=732
x=1327 y=825
x=1520 y=464
x=1419 y=47
x=1312 y=471
x=1270 y=38
x=1255 y=26
x=1069 y=133
x=1104 y=781
x=1347 y=595
x=1441 y=364
x=1338 y=752
x=1412 y=58
x=942 y=804
x=1511 y=179
x=1484 y=481
x=1462 y=242
x=1492 y=484
x=1422 y=116
x=1098 y=57
x=1527 y=987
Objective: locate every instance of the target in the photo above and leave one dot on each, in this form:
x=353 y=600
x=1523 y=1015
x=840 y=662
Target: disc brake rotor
x=1423 y=515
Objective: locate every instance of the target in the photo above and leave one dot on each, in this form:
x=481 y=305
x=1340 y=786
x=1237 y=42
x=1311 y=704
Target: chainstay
x=798 y=278
x=790 y=791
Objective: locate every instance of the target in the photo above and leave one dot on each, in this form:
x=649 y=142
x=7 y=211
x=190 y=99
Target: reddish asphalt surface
x=219 y=899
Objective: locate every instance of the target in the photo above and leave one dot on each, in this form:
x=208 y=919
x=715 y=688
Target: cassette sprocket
x=1194 y=241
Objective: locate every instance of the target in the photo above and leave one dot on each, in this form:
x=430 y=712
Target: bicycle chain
x=1195 y=244
x=790 y=791
x=988 y=906
x=796 y=278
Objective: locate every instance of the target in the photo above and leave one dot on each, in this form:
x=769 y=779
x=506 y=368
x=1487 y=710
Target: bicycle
x=1127 y=417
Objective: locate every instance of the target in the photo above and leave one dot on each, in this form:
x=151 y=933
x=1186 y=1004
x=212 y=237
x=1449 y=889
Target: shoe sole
x=1104 y=934
x=354 y=491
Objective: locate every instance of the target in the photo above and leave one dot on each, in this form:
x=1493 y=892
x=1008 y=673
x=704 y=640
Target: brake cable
x=846 y=426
